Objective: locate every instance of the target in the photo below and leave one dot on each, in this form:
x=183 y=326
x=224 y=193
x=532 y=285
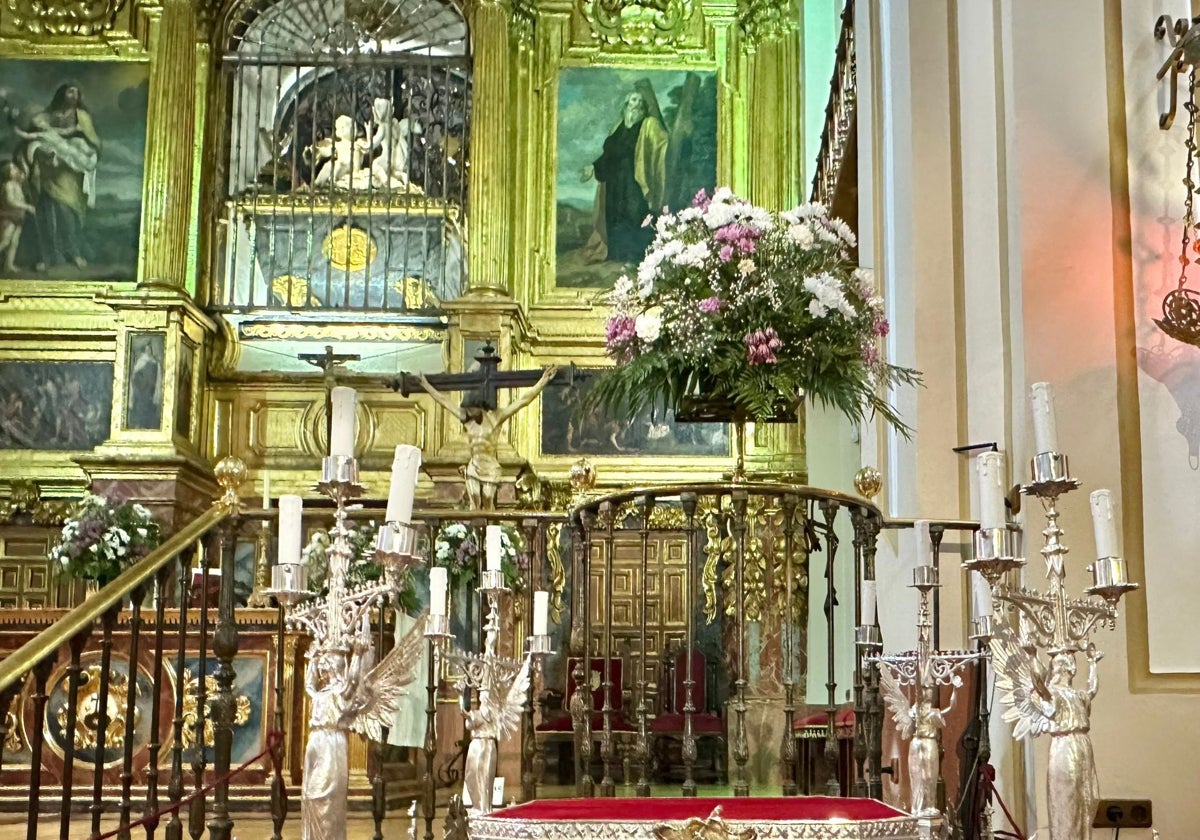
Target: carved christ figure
x=483 y=473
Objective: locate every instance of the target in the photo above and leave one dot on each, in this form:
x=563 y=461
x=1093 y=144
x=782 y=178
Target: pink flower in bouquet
x=620 y=334
x=740 y=236
x=761 y=346
x=726 y=253
x=870 y=355
x=701 y=200
x=711 y=304
x=880 y=326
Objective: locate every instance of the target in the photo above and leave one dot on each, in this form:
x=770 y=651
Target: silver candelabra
x=925 y=670
x=1035 y=637
x=494 y=687
x=349 y=687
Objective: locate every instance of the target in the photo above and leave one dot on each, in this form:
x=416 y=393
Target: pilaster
x=490 y=179
x=170 y=152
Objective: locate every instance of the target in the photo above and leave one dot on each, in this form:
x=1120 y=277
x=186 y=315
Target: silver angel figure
x=493 y=719
x=923 y=722
x=1039 y=705
x=348 y=690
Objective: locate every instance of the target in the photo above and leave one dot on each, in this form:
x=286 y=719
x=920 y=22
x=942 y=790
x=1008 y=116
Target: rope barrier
x=274 y=739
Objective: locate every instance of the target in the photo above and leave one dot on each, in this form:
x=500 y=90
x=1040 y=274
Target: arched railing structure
x=746 y=552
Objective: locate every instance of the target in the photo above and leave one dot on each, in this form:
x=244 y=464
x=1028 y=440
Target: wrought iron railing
x=748 y=550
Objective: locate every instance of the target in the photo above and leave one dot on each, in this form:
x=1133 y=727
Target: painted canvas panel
x=55 y=405
x=249 y=698
x=144 y=382
x=630 y=142
x=72 y=151
x=568 y=429
x=186 y=388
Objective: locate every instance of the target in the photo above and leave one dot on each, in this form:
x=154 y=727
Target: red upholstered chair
x=562 y=722
x=810 y=733
x=558 y=727
x=668 y=725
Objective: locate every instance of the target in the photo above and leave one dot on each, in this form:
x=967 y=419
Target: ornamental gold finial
x=868 y=482
x=230 y=472
x=582 y=478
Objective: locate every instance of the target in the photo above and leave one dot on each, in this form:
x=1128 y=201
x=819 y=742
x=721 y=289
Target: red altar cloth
x=773 y=818
x=733 y=809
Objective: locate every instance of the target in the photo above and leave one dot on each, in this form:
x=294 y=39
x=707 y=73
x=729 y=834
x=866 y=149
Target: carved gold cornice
x=764 y=21
x=340 y=332
x=51 y=17
x=639 y=23
x=25 y=501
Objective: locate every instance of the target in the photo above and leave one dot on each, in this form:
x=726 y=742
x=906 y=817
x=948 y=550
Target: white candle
x=437 y=590
x=266 y=489
x=981 y=602
x=493 y=548
x=541 y=612
x=404 y=483
x=1045 y=429
x=924 y=543
x=990 y=469
x=1104 y=524
x=867 y=615
x=291 y=512
x=341 y=439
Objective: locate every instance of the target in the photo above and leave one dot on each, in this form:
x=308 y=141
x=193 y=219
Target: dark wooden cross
x=327 y=361
x=486 y=380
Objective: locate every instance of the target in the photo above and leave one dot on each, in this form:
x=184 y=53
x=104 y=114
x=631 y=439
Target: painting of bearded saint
x=632 y=144
x=72 y=152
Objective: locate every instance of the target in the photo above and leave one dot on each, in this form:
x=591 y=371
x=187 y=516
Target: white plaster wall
x=992 y=222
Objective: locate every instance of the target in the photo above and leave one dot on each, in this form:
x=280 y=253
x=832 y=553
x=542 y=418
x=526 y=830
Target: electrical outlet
x=1123 y=813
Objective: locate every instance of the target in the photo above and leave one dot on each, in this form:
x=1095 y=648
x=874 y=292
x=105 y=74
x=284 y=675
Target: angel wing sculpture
x=1021 y=679
x=1042 y=703
x=495 y=717
x=382 y=685
x=922 y=722
x=897 y=703
x=348 y=690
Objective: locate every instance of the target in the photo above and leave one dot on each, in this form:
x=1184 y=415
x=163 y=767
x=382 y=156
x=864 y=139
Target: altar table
x=751 y=818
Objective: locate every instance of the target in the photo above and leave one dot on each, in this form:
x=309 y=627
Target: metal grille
x=347 y=157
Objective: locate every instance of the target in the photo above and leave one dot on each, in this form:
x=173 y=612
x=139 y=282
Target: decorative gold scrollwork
x=764 y=21
x=48 y=17
x=191 y=709
x=87 y=718
x=558 y=574
x=638 y=23
x=12 y=736
x=25 y=500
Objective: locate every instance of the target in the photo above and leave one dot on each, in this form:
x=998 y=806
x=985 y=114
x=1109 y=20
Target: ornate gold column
x=490 y=180
x=770 y=40
x=170 y=152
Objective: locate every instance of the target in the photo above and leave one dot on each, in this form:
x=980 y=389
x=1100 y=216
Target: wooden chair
x=557 y=726
x=667 y=727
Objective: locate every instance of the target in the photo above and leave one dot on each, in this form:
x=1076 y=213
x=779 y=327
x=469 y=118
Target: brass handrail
x=712 y=488
x=50 y=641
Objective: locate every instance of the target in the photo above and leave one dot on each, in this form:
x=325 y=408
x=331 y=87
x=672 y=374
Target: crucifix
x=479 y=413
x=330 y=363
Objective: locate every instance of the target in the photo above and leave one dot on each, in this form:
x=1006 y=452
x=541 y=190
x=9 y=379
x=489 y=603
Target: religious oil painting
x=144 y=380
x=185 y=387
x=55 y=405
x=571 y=428
x=631 y=143
x=72 y=149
